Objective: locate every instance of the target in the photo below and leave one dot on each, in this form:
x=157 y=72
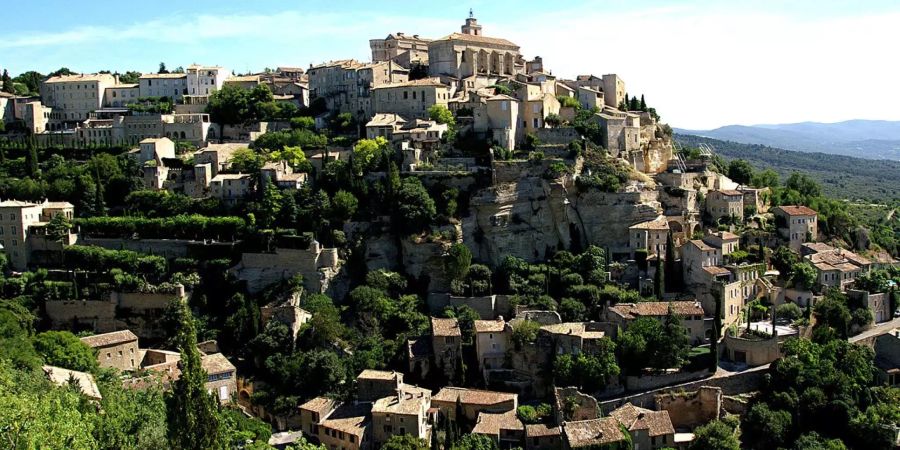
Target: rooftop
x=489 y=326
x=575 y=329
x=61 y=377
x=492 y=423
x=657 y=423
x=656 y=224
x=385 y=119
x=107 y=339
x=16 y=204
x=80 y=77
x=796 y=210
x=541 y=429
x=477 y=39
x=370 y=374
x=650 y=309
x=162 y=75
x=473 y=396
x=701 y=245
x=731 y=192
x=216 y=363
x=408 y=403
x=321 y=405
x=445 y=327
x=351 y=419
x=594 y=432
x=422 y=82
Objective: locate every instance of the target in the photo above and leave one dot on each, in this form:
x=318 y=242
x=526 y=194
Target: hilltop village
x=446 y=247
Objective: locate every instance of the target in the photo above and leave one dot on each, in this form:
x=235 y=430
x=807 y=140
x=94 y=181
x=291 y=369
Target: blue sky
x=701 y=63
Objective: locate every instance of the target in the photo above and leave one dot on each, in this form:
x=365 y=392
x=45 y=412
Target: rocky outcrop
x=424 y=257
x=606 y=216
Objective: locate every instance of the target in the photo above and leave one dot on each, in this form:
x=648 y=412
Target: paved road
x=876 y=330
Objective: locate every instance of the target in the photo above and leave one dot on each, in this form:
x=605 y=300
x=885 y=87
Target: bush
x=789 y=311
x=103 y=260
x=178 y=227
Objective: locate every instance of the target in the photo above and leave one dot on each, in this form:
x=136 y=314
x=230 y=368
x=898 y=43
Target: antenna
x=471 y=14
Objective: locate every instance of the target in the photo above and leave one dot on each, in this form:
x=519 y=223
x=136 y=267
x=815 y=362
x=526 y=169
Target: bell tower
x=471 y=27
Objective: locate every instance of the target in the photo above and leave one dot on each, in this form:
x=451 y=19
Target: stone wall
x=691 y=409
x=756 y=351
x=646 y=382
x=560 y=136
x=426 y=259
x=571 y=404
x=97 y=315
x=737 y=383
x=137 y=311
x=606 y=216
x=317 y=265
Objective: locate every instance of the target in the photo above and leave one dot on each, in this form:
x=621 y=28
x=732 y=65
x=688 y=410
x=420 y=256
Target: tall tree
x=8 y=83
x=193 y=415
x=32 y=161
x=643 y=103
x=673 y=275
x=162 y=68
x=659 y=282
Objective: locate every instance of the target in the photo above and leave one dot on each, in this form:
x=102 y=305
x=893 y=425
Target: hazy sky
x=702 y=64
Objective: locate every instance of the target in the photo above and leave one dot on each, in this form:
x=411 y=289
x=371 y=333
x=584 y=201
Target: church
x=470 y=53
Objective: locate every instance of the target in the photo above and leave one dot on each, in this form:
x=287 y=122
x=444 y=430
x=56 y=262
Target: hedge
x=86 y=257
x=177 y=227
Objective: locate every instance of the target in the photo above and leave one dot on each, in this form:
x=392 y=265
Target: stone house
x=231 y=187
x=401 y=49
x=171 y=85
x=725 y=203
x=503 y=428
x=313 y=412
x=879 y=303
x=572 y=337
x=287 y=312
x=17 y=218
x=691 y=313
x=594 y=433
x=155 y=149
x=405 y=411
x=651 y=235
x=887 y=357
x=796 y=224
x=220 y=373
x=590 y=98
x=282 y=175
x=218 y=156
x=410 y=99
x=491 y=344
x=63 y=377
x=540 y=436
x=835 y=267
x=649 y=429
x=348 y=427
x=118 y=350
x=374 y=384
x=384 y=125
x=74 y=97
x=346 y=85
x=472 y=402
x=446 y=344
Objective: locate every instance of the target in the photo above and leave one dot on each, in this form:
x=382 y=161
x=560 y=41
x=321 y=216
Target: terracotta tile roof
x=594 y=432
x=716 y=270
x=422 y=82
x=492 y=423
x=370 y=374
x=216 y=363
x=655 y=309
x=700 y=244
x=385 y=119
x=473 y=396
x=657 y=423
x=353 y=419
x=541 y=429
x=321 y=405
x=796 y=210
x=477 y=39
x=243 y=79
x=726 y=236
x=489 y=326
x=445 y=327
x=163 y=75
x=16 y=204
x=835 y=256
x=574 y=328
x=80 y=77
x=655 y=224
x=411 y=401
x=61 y=377
x=107 y=339
x=731 y=192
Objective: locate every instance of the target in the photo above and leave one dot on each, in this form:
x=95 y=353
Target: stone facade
x=410 y=99
x=317 y=265
x=470 y=53
x=117 y=350
x=796 y=224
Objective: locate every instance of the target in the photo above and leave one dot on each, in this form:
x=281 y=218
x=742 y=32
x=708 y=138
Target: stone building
x=410 y=99
x=204 y=80
x=155 y=149
x=725 y=204
x=649 y=429
x=74 y=97
x=572 y=337
x=231 y=187
x=446 y=344
x=796 y=224
x=503 y=428
x=404 y=411
x=374 y=384
x=16 y=220
x=317 y=265
x=401 y=49
x=491 y=344
x=120 y=95
x=691 y=314
x=313 y=412
x=651 y=235
x=594 y=433
x=835 y=267
x=171 y=85
x=471 y=53
x=346 y=85
x=118 y=350
x=473 y=402
x=348 y=427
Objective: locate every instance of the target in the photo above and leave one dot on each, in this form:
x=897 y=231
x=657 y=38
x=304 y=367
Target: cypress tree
x=627 y=103
x=31 y=160
x=673 y=278
x=643 y=103
x=8 y=83
x=193 y=414
x=658 y=279
x=716 y=331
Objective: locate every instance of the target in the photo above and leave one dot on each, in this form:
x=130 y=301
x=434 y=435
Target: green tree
x=740 y=171
x=245 y=160
x=803 y=275
x=767 y=178
x=474 y=442
x=228 y=106
x=457 y=261
x=834 y=312
x=367 y=153
x=32 y=80
x=765 y=428
x=31 y=160
x=415 y=208
x=405 y=442
x=194 y=422
x=8 y=83
x=63 y=349
x=659 y=282
x=715 y=435
x=343 y=206
x=814 y=441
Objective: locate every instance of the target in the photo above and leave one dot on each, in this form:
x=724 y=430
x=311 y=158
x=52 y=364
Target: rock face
x=524 y=219
x=606 y=216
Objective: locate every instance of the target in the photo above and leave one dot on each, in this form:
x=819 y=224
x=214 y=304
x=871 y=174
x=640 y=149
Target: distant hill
x=870 y=139
x=841 y=176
